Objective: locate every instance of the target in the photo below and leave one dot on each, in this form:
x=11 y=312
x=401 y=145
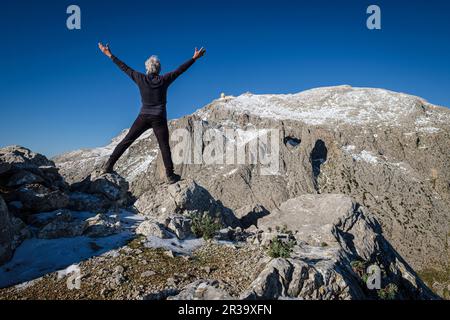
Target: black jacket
x=153 y=88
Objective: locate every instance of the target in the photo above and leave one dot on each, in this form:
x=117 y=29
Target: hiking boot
x=173 y=178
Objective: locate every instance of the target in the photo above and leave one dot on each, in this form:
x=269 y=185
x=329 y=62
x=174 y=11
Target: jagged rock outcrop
x=173 y=206
x=36 y=194
x=100 y=192
x=337 y=268
x=30 y=182
x=387 y=150
x=312 y=217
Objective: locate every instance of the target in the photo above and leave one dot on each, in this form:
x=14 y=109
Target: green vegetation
x=283 y=229
x=388 y=293
x=359 y=267
x=136 y=243
x=205 y=226
x=280 y=249
x=431 y=276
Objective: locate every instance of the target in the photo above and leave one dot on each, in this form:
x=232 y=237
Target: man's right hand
x=105 y=49
x=199 y=53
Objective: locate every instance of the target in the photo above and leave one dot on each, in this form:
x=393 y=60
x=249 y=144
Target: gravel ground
x=136 y=272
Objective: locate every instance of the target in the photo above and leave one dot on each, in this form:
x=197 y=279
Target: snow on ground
x=37 y=257
x=174 y=244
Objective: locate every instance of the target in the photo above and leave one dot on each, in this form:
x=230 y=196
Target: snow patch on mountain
x=370 y=158
x=334 y=106
x=141 y=165
x=366 y=156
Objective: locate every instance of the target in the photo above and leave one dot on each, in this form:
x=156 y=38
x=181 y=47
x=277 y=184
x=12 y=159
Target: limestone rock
x=161 y=294
x=310 y=217
x=102 y=225
x=38 y=198
x=31 y=182
x=150 y=228
x=80 y=201
x=63 y=226
x=22 y=158
x=22 y=166
x=181 y=226
x=110 y=185
x=232 y=234
x=202 y=290
x=6 y=233
x=23 y=177
x=20 y=231
x=183 y=198
x=41 y=219
x=325 y=270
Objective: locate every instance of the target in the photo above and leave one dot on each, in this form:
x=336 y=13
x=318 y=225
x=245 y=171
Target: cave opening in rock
x=318 y=157
x=292 y=142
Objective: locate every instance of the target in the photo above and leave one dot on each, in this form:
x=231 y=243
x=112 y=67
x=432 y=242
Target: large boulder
x=150 y=228
x=337 y=240
x=182 y=199
x=80 y=201
x=64 y=225
x=31 y=183
x=102 y=225
x=110 y=188
x=38 y=198
x=20 y=166
x=310 y=217
x=22 y=178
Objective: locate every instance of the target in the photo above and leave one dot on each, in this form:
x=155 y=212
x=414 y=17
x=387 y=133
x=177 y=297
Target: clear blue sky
x=58 y=93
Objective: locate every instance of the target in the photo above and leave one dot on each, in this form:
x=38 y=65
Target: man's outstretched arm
x=171 y=76
x=133 y=74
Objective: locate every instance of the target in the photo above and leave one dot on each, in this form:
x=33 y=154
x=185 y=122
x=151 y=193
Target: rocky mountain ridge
x=387 y=150
x=363 y=180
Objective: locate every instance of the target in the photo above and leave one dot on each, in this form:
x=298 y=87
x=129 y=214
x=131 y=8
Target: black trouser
x=140 y=125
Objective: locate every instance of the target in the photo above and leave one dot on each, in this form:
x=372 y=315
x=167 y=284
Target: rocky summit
x=356 y=208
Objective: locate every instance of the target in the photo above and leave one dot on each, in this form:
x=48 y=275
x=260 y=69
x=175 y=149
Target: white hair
x=153 y=65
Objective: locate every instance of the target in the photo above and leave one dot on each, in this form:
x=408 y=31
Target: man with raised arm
x=153 y=88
